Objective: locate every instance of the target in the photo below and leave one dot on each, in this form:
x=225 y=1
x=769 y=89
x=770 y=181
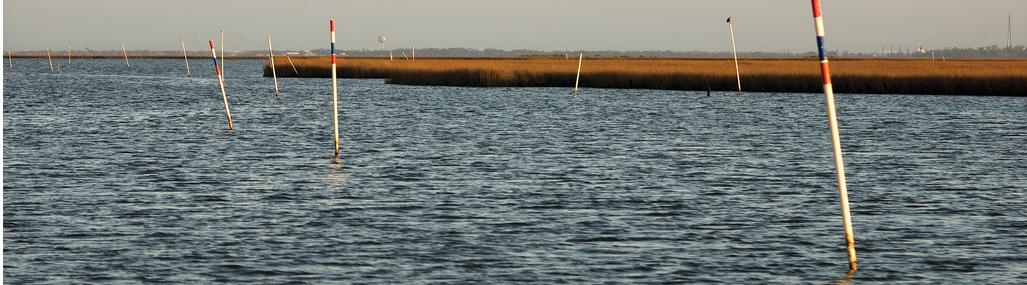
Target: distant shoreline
x=998 y=77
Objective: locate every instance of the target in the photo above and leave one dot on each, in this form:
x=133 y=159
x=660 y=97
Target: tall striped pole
x=734 y=52
x=832 y=119
x=335 y=92
x=186 y=56
x=49 y=59
x=221 y=81
x=271 y=55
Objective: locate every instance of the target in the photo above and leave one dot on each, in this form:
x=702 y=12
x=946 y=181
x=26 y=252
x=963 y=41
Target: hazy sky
x=683 y=25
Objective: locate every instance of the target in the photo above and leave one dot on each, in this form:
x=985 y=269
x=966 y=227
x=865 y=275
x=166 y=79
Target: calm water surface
x=117 y=176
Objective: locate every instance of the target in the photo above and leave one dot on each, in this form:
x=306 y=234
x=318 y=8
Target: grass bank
x=953 y=77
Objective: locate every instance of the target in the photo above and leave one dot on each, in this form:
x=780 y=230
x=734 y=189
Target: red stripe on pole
x=333 y=59
x=825 y=72
x=816 y=8
x=332 y=22
x=211 y=43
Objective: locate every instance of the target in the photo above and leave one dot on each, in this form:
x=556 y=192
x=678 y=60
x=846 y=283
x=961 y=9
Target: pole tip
x=211 y=43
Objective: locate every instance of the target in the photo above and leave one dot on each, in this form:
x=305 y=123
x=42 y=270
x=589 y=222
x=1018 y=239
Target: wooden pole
x=843 y=194
x=578 y=76
x=271 y=55
x=185 y=55
x=50 y=60
x=126 y=56
x=293 y=66
x=734 y=52
x=221 y=81
x=335 y=93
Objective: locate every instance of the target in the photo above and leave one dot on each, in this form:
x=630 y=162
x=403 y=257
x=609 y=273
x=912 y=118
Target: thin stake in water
x=271 y=55
x=578 y=76
x=839 y=164
x=734 y=52
x=50 y=60
x=293 y=65
x=335 y=92
x=126 y=56
x=69 y=54
x=10 y=60
x=223 y=52
x=185 y=55
x=221 y=81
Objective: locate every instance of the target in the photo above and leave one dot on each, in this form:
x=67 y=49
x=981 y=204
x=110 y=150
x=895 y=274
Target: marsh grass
x=964 y=77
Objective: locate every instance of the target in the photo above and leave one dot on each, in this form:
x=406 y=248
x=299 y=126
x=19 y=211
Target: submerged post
x=335 y=92
x=185 y=55
x=126 y=56
x=221 y=81
x=734 y=52
x=825 y=71
x=271 y=55
x=49 y=59
x=577 y=77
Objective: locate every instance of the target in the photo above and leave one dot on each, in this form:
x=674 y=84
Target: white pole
x=271 y=54
x=335 y=94
x=126 y=56
x=734 y=52
x=577 y=77
x=297 y=72
x=186 y=56
x=69 y=54
x=10 y=60
x=221 y=81
x=413 y=53
x=50 y=60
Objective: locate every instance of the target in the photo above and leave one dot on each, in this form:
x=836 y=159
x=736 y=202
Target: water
x=113 y=176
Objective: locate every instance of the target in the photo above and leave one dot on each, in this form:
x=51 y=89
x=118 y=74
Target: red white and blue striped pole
x=221 y=81
x=825 y=71
x=335 y=92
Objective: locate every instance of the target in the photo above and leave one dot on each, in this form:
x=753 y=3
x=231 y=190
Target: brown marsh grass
x=962 y=77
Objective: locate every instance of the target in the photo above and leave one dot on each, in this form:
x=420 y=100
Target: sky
x=678 y=25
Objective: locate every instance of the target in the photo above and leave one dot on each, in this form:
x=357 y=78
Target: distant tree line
x=993 y=51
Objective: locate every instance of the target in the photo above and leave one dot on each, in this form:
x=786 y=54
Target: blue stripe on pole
x=821 y=48
x=333 y=48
